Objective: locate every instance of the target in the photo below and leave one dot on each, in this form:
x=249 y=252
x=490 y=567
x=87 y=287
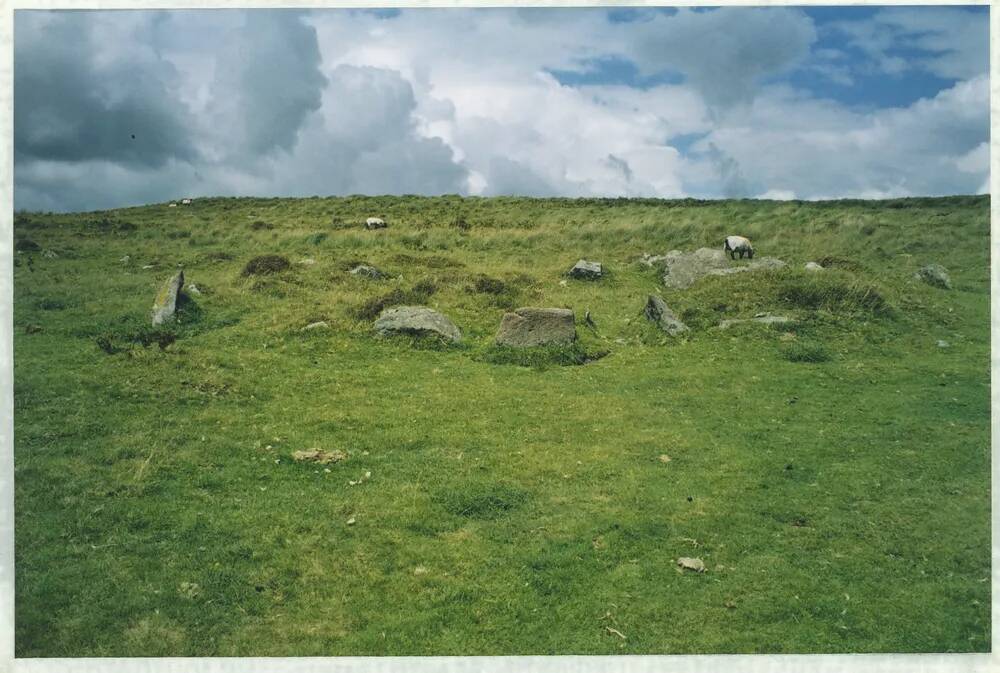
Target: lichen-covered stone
x=935 y=275
x=682 y=269
x=367 y=271
x=658 y=312
x=527 y=327
x=165 y=305
x=585 y=270
x=417 y=321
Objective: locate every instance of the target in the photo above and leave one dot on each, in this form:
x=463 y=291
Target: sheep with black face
x=738 y=244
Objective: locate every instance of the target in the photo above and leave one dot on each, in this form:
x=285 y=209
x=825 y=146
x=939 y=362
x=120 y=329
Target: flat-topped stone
x=417 y=321
x=586 y=270
x=682 y=269
x=527 y=327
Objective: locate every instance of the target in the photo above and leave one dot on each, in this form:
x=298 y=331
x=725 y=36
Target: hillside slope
x=832 y=474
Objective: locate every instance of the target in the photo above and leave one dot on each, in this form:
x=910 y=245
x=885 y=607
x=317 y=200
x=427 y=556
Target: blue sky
x=779 y=102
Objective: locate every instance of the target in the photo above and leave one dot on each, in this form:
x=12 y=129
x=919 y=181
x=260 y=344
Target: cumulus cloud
x=818 y=149
x=79 y=99
x=686 y=103
x=727 y=52
x=267 y=80
x=949 y=42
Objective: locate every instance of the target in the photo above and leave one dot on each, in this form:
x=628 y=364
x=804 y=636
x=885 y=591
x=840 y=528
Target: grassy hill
x=833 y=474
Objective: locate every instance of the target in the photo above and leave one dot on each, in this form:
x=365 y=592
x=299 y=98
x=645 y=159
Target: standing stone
x=528 y=327
x=166 y=301
x=418 y=321
x=936 y=275
x=658 y=312
x=585 y=270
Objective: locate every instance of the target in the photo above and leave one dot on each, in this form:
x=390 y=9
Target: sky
x=120 y=108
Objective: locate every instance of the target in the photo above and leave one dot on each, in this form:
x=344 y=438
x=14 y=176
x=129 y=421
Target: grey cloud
x=732 y=184
x=621 y=165
x=70 y=107
x=512 y=178
x=364 y=141
x=724 y=53
x=367 y=107
x=267 y=80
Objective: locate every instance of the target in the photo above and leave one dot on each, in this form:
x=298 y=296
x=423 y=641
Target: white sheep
x=738 y=244
x=374 y=223
x=185 y=202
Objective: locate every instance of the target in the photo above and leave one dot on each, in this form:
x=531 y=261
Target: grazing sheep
x=738 y=244
x=185 y=202
x=374 y=223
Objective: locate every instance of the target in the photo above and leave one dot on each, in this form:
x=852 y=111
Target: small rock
x=148 y=266
x=664 y=458
x=172 y=205
x=50 y=254
x=315 y=325
x=813 y=266
x=585 y=270
x=934 y=275
x=193 y=289
x=189 y=590
x=351 y=521
x=943 y=344
x=367 y=271
x=418 y=321
x=695 y=564
x=319 y=456
x=165 y=304
x=308 y=261
x=658 y=312
x=125 y=259
x=528 y=327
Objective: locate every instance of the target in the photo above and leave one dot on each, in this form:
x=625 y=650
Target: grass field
x=833 y=475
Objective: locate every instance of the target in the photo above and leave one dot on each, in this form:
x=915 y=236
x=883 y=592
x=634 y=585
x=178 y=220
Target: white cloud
x=821 y=150
x=952 y=42
x=444 y=101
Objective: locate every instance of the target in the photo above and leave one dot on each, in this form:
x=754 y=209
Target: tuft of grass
x=832 y=292
x=805 y=351
x=487 y=285
x=479 y=500
x=540 y=357
x=418 y=294
x=266 y=264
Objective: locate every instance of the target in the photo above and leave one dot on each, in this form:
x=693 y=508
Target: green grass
x=832 y=474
